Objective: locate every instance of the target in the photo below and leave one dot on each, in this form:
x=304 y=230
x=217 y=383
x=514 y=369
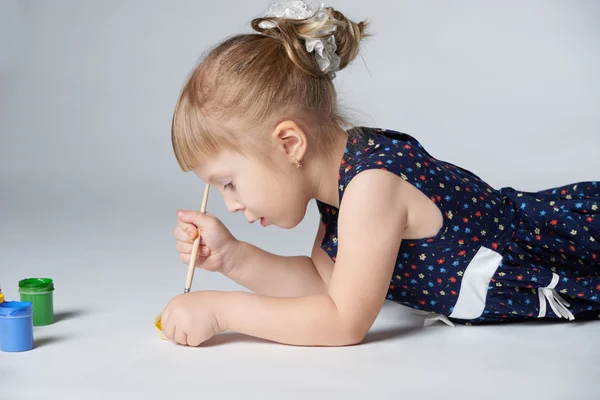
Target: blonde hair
x=252 y=81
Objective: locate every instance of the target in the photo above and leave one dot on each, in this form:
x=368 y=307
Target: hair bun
x=299 y=26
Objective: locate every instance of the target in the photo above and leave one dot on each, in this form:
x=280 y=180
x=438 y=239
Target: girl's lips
x=263 y=222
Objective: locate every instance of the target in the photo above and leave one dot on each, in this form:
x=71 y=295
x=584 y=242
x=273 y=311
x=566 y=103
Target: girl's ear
x=291 y=140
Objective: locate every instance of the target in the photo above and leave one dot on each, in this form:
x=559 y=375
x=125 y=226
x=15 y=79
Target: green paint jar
x=39 y=291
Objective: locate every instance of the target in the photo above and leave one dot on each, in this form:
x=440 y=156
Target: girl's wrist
x=232 y=257
x=219 y=309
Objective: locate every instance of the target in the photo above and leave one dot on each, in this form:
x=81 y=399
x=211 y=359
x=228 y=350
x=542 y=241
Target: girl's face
x=272 y=195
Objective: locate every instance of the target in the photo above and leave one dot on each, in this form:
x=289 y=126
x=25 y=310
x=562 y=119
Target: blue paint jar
x=16 y=326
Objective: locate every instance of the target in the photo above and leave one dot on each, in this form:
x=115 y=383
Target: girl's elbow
x=346 y=328
x=351 y=334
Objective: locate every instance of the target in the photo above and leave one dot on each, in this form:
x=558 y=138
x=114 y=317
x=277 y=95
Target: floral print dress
x=501 y=255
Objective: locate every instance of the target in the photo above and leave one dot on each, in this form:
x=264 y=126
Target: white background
x=90 y=187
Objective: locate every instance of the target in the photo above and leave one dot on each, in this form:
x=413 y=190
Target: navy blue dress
x=501 y=255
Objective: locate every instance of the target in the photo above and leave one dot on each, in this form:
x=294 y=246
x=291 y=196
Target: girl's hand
x=217 y=244
x=190 y=319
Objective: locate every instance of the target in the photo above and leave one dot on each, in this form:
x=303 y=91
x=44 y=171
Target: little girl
x=258 y=120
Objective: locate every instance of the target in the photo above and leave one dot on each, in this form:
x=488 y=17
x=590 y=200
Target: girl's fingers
x=187 y=247
x=180 y=336
x=190 y=229
x=184 y=247
x=182 y=235
x=185 y=257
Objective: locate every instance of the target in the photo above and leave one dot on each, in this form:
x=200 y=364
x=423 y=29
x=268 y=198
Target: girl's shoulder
x=384 y=149
x=370 y=148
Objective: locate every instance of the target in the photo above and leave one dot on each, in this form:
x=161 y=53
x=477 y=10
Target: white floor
x=113 y=277
x=89 y=188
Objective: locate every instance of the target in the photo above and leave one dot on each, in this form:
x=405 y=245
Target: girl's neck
x=325 y=173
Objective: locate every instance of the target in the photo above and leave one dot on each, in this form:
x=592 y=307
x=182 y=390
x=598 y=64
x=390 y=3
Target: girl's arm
x=370 y=227
x=271 y=275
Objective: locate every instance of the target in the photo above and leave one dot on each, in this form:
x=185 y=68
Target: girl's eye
x=228 y=185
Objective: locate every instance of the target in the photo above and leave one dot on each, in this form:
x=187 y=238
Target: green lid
x=36 y=285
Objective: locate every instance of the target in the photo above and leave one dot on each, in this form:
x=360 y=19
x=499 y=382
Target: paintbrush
x=196 y=245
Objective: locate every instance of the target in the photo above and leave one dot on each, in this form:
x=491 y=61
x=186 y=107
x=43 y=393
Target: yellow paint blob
x=159 y=328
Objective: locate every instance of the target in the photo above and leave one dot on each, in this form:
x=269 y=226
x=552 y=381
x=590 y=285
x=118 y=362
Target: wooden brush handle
x=192 y=264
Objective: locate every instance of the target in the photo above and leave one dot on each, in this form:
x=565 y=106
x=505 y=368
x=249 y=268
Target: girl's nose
x=233 y=206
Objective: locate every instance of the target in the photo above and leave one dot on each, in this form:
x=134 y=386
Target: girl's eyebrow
x=213 y=176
